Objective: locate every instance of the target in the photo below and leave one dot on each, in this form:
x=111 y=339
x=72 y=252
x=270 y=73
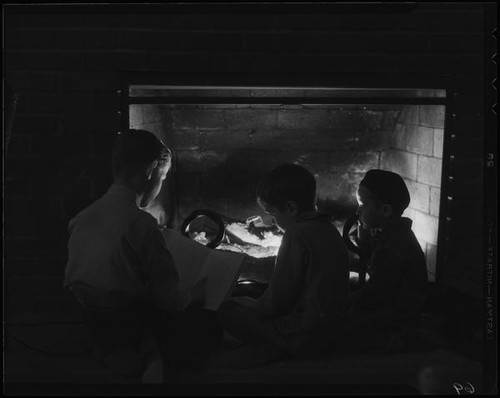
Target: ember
x=252 y=237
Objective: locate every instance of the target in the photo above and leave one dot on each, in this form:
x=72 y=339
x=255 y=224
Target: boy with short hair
x=119 y=267
x=301 y=311
x=386 y=310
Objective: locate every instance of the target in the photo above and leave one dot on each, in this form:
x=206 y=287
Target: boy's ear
x=150 y=168
x=292 y=208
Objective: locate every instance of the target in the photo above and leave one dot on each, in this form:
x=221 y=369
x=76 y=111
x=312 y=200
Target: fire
x=250 y=249
x=200 y=237
x=252 y=237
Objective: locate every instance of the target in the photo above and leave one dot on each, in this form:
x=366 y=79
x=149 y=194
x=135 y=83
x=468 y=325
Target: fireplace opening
x=225 y=138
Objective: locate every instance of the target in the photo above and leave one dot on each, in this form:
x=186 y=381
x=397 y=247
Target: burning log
x=251 y=237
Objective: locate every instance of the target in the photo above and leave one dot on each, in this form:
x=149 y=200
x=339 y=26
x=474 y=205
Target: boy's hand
x=198 y=291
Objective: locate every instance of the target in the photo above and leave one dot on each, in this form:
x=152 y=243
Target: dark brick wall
x=66 y=63
x=221 y=151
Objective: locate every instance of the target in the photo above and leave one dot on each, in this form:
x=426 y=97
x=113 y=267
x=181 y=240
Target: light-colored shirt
x=117 y=253
x=309 y=287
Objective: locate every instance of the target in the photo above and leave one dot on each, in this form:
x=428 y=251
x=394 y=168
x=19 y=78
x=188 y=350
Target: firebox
x=225 y=138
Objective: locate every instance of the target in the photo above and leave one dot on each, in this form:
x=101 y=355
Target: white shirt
x=117 y=253
x=310 y=283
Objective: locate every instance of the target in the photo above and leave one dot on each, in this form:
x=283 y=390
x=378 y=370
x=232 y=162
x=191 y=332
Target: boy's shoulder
x=146 y=219
x=107 y=207
x=399 y=230
x=314 y=219
x=400 y=239
x=318 y=223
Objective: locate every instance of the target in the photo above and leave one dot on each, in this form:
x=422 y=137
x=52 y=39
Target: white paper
x=194 y=261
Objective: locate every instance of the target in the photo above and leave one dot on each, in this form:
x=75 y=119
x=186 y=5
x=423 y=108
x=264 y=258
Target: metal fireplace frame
x=222 y=82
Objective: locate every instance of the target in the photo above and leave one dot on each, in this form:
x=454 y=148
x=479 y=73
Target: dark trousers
x=249 y=326
x=382 y=331
x=266 y=343
x=184 y=338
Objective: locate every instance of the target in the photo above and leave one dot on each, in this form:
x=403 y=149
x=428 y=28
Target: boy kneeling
x=300 y=313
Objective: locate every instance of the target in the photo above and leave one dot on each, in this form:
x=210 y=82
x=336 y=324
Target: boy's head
x=286 y=192
x=142 y=159
x=382 y=195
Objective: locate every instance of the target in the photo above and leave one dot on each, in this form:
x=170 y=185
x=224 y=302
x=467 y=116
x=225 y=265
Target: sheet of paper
x=222 y=270
x=194 y=261
x=189 y=257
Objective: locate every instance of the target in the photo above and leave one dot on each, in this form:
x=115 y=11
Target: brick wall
x=221 y=151
x=66 y=63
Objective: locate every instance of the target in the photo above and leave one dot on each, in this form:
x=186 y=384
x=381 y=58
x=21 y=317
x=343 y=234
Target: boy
x=119 y=267
x=300 y=312
x=385 y=312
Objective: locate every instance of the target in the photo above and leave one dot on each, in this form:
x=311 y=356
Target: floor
x=51 y=354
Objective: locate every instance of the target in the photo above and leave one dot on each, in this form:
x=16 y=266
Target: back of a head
x=288 y=182
x=134 y=148
x=388 y=187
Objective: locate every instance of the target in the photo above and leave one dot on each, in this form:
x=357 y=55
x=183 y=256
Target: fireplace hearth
x=225 y=138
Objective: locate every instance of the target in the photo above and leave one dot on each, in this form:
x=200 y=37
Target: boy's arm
x=287 y=280
x=388 y=267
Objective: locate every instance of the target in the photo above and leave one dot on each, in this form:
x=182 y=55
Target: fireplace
x=225 y=138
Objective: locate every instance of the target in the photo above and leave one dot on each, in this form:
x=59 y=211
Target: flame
x=258 y=243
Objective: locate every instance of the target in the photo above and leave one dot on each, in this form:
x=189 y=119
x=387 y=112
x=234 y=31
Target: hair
x=387 y=187
x=134 y=148
x=288 y=182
